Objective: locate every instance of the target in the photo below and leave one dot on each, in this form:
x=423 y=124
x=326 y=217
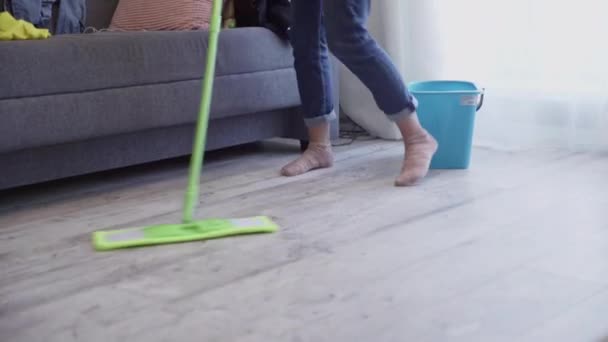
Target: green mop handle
x=196 y=161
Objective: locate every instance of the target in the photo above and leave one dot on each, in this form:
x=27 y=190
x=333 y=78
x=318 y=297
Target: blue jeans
x=339 y=26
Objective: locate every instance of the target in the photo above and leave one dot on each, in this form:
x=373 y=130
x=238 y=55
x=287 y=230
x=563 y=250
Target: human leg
x=311 y=61
x=351 y=42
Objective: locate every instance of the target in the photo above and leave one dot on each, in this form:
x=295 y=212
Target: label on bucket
x=468 y=100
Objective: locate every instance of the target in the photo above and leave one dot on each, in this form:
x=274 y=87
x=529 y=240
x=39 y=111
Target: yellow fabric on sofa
x=13 y=29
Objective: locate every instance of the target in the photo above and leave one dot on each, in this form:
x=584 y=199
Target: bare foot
x=419 y=151
x=316 y=156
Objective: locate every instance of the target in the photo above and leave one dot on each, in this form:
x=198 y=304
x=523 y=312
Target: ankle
x=419 y=137
x=319 y=134
x=410 y=126
x=319 y=145
x=320 y=151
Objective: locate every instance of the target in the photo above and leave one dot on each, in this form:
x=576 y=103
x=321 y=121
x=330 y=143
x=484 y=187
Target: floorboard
x=513 y=249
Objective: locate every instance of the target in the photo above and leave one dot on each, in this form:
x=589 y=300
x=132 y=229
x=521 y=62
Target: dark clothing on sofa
x=275 y=15
x=271 y=14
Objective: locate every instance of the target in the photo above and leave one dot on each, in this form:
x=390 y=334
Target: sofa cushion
x=88 y=62
x=49 y=120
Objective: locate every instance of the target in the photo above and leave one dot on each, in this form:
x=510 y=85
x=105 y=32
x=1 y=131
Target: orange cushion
x=161 y=15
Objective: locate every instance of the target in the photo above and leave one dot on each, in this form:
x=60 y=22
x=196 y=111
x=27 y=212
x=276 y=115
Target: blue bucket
x=447 y=110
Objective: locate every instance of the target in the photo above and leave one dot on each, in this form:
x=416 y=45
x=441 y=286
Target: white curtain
x=543 y=63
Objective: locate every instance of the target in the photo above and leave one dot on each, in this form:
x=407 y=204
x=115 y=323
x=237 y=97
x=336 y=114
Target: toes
x=408 y=180
x=293 y=169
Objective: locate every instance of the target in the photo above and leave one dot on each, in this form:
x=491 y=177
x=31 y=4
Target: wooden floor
x=515 y=249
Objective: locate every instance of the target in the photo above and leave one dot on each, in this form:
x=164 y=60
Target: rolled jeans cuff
x=404 y=113
x=317 y=120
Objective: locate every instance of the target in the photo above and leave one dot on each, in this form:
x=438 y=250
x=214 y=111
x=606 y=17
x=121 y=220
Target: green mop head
x=174 y=233
x=190 y=230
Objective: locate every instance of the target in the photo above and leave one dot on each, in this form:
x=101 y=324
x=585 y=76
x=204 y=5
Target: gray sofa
x=77 y=104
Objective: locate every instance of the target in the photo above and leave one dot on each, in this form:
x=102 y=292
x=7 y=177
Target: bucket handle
x=483 y=90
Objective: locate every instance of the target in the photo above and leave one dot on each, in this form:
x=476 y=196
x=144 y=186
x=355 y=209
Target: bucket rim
x=463 y=91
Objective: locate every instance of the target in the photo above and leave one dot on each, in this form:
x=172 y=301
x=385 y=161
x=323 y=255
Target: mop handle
x=196 y=161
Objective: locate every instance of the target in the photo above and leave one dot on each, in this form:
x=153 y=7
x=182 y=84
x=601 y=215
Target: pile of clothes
x=18 y=29
x=35 y=19
x=55 y=16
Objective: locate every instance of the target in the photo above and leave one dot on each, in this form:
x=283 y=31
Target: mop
x=190 y=229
